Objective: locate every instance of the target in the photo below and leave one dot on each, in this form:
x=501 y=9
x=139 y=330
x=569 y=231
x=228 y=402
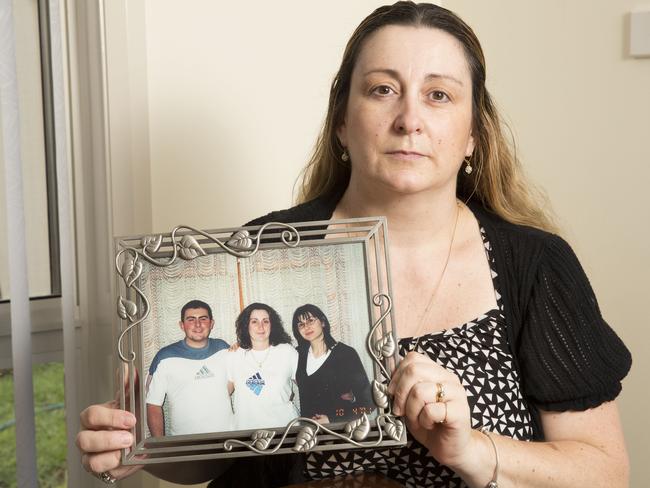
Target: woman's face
x=408 y=123
x=310 y=328
x=259 y=326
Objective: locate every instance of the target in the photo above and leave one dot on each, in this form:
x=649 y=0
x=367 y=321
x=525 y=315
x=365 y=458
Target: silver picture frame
x=138 y=257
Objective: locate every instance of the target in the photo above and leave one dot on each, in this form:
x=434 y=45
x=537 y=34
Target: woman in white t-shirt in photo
x=262 y=372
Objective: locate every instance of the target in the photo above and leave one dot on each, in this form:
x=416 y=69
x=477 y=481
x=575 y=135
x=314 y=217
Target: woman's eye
x=439 y=96
x=382 y=90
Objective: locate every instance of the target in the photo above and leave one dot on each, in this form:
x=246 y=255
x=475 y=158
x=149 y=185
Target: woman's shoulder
x=236 y=354
x=285 y=349
x=488 y=218
x=318 y=209
x=343 y=349
x=517 y=239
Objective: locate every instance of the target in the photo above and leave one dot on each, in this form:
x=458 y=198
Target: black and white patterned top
x=479 y=353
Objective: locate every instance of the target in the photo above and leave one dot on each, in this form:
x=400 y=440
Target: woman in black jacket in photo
x=331 y=379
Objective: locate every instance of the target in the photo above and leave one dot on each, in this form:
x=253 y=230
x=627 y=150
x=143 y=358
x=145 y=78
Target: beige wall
x=236 y=96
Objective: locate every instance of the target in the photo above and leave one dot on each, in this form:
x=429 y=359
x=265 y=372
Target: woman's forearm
x=558 y=464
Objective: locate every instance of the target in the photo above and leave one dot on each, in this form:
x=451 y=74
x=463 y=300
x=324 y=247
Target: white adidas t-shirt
x=263 y=393
x=196 y=392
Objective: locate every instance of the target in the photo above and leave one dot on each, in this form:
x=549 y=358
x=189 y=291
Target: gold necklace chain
x=260 y=363
x=442 y=275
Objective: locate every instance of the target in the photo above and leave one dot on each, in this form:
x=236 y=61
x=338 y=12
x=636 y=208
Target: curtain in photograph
x=212 y=279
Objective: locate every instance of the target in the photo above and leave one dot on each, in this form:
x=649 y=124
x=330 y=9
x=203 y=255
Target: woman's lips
x=406 y=155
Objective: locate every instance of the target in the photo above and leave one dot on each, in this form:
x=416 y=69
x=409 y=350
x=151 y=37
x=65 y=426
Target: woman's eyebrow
x=394 y=74
x=433 y=76
x=387 y=71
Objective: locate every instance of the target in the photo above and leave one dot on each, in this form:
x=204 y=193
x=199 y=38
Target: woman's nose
x=408 y=119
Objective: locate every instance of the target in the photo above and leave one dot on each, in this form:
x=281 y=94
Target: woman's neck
x=260 y=346
x=318 y=348
x=413 y=219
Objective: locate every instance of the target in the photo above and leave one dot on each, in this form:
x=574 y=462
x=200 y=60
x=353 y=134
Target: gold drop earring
x=468 y=166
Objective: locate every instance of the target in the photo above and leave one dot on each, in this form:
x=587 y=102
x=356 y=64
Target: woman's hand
x=439 y=421
x=349 y=396
x=233 y=347
x=105 y=432
x=320 y=418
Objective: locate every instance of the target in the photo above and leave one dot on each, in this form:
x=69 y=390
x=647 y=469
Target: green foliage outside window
x=50 y=427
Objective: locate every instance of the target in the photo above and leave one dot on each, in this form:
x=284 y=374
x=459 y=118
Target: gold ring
x=444 y=420
x=107 y=478
x=440 y=392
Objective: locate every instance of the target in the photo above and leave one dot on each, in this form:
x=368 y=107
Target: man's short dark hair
x=195 y=304
x=278 y=334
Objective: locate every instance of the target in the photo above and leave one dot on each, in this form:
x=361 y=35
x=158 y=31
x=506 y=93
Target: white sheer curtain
x=21 y=327
x=212 y=279
x=21 y=324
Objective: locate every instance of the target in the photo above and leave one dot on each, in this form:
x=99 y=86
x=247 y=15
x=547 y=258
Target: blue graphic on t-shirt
x=181 y=350
x=256 y=383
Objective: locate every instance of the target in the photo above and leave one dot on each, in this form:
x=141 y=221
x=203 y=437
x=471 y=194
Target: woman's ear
x=341 y=133
x=471 y=144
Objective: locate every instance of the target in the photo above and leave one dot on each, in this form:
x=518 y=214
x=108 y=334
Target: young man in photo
x=190 y=376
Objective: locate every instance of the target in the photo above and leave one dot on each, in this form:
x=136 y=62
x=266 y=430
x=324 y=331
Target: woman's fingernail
x=126 y=439
x=128 y=420
x=397 y=411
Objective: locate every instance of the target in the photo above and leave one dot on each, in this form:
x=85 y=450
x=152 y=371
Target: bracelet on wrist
x=494 y=483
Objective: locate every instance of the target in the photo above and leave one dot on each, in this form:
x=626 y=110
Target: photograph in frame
x=257 y=340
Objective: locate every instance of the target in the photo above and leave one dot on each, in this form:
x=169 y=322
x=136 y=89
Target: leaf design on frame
x=306 y=439
x=262 y=439
x=384 y=346
x=151 y=244
x=358 y=429
x=388 y=346
x=131 y=269
x=240 y=241
x=137 y=271
x=380 y=394
x=126 y=309
x=190 y=248
x=394 y=428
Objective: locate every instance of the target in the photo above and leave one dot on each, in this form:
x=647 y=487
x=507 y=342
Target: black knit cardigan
x=567 y=356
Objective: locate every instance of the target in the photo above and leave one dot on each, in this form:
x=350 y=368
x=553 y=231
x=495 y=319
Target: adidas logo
x=256 y=383
x=203 y=373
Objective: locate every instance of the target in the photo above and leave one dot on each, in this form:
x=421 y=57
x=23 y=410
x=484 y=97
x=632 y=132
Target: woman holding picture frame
x=510 y=373
x=332 y=382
